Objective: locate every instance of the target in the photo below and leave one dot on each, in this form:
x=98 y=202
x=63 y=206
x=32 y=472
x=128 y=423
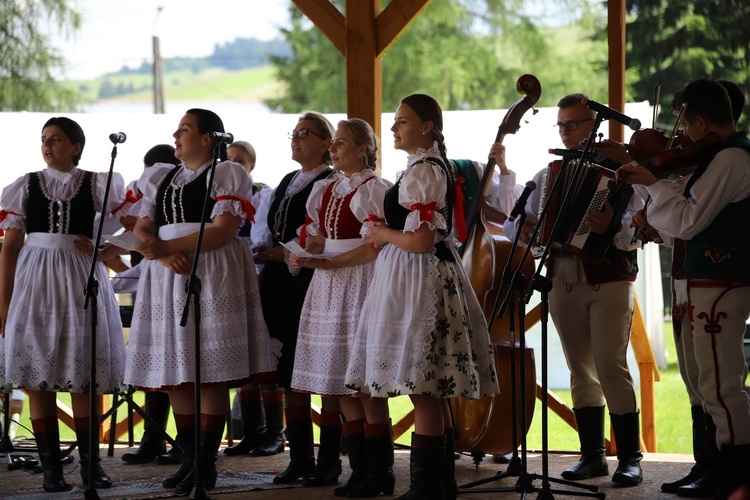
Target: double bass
x=484 y=425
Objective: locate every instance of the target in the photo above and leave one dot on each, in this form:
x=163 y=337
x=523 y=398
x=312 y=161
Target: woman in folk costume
x=422 y=331
x=235 y=345
x=283 y=292
x=340 y=208
x=47 y=331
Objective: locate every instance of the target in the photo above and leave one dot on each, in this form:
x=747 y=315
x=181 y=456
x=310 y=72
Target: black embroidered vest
x=184 y=203
x=74 y=216
x=395 y=213
x=287 y=213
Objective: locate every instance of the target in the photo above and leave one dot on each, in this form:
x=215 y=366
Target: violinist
x=701 y=480
x=591 y=306
x=697 y=214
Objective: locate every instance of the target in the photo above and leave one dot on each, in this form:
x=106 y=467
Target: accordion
x=587 y=187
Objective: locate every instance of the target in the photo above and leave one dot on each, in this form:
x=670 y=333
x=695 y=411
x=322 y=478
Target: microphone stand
x=517 y=466
x=91 y=291
x=193 y=289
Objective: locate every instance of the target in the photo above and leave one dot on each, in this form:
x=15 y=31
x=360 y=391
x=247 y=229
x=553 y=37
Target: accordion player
x=570 y=189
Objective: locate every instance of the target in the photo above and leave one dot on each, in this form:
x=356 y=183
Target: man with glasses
x=592 y=306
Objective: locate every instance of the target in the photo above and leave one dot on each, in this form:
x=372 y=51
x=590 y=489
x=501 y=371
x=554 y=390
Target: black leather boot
x=213 y=428
x=186 y=440
x=328 y=466
x=354 y=438
x=628 y=438
x=734 y=462
x=47 y=435
x=593 y=462
x=253 y=427
x=426 y=468
x=100 y=479
x=152 y=442
x=700 y=453
x=708 y=484
x=272 y=440
x=379 y=458
x=301 y=452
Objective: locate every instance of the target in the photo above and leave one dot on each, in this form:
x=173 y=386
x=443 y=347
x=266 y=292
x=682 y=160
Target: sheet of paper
x=126 y=240
x=293 y=246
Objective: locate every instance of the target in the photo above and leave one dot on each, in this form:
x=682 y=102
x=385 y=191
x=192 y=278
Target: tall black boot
x=734 y=463
x=47 y=435
x=379 y=458
x=186 y=440
x=301 y=451
x=593 y=462
x=152 y=442
x=328 y=467
x=700 y=453
x=706 y=485
x=100 y=479
x=427 y=467
x=354 y=439
x=450 y=486
x=272 y=441
x=211 y=432
x=628 y=438
x=253 y=426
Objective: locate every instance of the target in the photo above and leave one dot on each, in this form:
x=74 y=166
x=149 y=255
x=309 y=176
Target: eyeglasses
x=572 y=124
x=302 y=133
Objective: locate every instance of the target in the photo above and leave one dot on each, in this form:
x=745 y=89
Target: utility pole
x=158 y=71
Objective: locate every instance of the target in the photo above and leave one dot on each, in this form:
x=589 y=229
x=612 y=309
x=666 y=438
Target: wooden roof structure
x=366 y=32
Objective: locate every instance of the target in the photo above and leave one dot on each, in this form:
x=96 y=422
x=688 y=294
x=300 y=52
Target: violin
x=682 y=159
x=646 y=143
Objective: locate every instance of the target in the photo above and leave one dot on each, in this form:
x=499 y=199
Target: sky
x=116 y=32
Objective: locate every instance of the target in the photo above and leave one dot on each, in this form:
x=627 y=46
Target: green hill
x=252 y=84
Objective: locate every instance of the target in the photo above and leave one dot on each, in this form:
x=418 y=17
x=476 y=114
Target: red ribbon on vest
x=247 y=207
x=303 y=231
x=458 y=209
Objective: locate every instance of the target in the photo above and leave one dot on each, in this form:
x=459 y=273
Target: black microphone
x=118 y=138
x=220 y=137
x=612 y=114
x=521 y=203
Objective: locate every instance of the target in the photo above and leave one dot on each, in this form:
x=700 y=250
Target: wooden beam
x=327 y=18
x=616 y=37
x=364 y=76
x=397 y=16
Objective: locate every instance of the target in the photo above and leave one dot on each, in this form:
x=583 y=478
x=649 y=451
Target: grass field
x=212 y=84
x=672 y=415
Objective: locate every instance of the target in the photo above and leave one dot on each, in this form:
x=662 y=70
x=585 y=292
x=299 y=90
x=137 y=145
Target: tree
x=676 y=42
x=29 y=61
x=466 y=53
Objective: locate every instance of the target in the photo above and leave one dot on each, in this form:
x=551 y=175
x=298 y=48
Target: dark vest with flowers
x=722 y=251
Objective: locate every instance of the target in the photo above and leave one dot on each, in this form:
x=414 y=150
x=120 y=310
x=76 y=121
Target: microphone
x=221 y=137
x=612 y=114
x=118 y=138
x=521 y=203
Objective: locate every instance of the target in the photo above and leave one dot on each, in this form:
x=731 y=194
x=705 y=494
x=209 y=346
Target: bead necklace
x=279 y=218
